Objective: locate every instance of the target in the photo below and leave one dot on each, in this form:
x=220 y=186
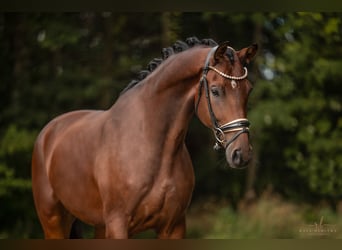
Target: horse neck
x=172 y=92
x=167 y=96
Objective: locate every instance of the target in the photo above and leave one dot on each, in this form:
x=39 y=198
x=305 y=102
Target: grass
x=268 y=218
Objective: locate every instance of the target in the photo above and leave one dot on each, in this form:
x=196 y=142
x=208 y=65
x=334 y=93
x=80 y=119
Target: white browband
x=229 y=76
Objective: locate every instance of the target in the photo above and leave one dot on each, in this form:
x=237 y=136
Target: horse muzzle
x=238 y=156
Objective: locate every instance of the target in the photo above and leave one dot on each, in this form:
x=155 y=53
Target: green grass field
x=268 y=218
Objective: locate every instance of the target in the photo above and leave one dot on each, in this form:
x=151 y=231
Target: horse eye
x=215 y=91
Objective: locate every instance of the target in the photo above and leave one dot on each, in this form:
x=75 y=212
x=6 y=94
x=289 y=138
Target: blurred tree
x=297 y=107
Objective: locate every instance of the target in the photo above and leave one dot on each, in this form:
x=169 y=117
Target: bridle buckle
x=239 y=126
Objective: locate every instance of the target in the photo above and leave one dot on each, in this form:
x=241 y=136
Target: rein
x=240 y=125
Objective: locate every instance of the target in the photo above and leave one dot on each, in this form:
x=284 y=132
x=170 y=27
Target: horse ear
x=246 y=55
x=220 y=51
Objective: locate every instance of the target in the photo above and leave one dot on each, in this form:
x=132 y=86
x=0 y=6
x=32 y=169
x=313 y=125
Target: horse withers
x=127 y=169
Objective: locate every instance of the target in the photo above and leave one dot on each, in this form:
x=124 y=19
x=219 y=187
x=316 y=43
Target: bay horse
x=127 y=169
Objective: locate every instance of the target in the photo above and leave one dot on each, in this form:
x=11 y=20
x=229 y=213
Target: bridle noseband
x=239 y=125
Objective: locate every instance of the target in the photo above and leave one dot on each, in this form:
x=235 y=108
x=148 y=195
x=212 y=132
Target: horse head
x=223 y=106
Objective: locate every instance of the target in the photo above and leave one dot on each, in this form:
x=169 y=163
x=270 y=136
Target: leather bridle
x=239 y=126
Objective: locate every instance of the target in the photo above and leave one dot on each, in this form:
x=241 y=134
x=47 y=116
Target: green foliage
x=15 y=184
x=300 y=107
x=15 y=149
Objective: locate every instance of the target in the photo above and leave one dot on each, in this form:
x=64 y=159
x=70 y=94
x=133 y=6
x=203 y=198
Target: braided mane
x=177 y=47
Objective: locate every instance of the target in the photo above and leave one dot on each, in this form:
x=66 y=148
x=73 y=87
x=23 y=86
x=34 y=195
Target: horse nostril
x=237 y=157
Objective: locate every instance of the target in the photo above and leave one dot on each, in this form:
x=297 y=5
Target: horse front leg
x=56 y=222
x=177 y=231
x=116 y=227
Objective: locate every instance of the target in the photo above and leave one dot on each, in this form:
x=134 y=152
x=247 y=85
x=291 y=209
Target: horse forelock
x=177 y=47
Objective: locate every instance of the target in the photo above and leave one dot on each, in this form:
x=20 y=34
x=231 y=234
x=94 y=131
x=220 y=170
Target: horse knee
x=56 y=223
x=53 y=228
